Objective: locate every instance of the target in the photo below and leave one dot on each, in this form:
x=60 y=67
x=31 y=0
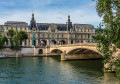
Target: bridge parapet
x=77 y=44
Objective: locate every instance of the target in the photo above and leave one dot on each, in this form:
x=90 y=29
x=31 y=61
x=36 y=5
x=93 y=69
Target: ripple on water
x=51 y=70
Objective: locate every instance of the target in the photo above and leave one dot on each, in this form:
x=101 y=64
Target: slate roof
x=45 y=26
x=16 y=23
x=83 y=26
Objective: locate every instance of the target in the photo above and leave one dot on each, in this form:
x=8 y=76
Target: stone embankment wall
x=23 y=52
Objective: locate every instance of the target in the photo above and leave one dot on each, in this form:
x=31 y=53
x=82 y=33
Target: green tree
x=10 y=34
x=109 y=39
x=22 y=36
x=16 y=41
x=3 y=39
x=16 y=38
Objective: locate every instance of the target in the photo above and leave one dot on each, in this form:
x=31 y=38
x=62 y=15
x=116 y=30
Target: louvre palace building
x=50 y=34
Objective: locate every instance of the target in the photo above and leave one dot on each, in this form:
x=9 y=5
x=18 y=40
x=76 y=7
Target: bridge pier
x=63 y=56
x=108 y=68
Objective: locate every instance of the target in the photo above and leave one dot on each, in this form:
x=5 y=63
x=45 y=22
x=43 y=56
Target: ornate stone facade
x=46 y=34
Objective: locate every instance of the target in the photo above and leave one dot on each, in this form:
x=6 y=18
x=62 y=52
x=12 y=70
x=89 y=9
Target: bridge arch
x=82 y=51
x=58 y=51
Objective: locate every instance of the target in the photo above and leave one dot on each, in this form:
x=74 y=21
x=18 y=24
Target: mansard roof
x=1 y=26
x=45 y=26
x=83 y=26
x=16 y=23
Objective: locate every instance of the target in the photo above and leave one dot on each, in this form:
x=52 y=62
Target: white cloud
x=92 y=5
x=52 y=16
x=7 y=3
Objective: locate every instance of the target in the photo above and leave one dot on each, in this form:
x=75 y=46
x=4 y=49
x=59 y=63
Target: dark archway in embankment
x=40 y=51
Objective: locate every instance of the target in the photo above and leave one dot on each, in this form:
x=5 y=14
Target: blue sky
x=49 y=11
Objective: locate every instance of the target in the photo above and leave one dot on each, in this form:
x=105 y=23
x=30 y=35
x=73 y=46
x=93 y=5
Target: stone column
x=36 y=42
x=22 y=43
x=58 y=42
x=30 y=42
x=48 y=42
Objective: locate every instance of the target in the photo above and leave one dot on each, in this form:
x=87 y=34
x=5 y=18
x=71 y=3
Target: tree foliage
x=3 y=39
x=22 y=36
x=16 y=38
x=10 y=34
x=108 y=39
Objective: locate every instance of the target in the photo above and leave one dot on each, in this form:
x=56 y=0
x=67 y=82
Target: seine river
x=50 y=70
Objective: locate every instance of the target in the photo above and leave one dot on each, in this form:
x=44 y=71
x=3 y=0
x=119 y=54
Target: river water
x=50 y=70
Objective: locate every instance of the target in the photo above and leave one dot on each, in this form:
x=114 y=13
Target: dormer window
x=52 y=30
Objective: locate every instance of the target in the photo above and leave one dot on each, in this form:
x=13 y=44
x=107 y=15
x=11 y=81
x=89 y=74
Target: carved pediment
x=53 y=28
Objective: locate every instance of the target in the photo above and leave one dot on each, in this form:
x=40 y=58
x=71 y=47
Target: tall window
x=91 y=30
x=62 y=36
x=25 y=28
x=25 y=42
x=16 y=28
x=84 y=30
x=58 y=36
x=81 y=30
x=88 y=30
x=20 y=28
x=6 y=43
x=43 y=35
x=6 y=28
x=88 y=36
x=71 y=36
x=52 y=35
x=81 y=36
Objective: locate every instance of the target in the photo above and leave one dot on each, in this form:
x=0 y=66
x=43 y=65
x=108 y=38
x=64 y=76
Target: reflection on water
x=50 y=70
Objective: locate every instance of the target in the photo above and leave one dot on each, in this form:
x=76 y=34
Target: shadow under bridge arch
x=57 y=51
x=84 y=53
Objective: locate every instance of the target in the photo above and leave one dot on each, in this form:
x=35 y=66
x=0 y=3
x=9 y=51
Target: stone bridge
x=77 y=51
x=83 y=51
